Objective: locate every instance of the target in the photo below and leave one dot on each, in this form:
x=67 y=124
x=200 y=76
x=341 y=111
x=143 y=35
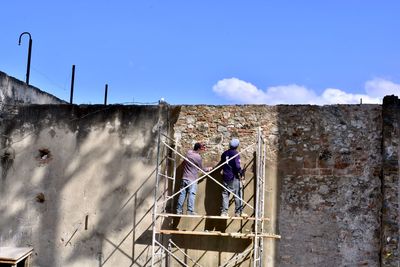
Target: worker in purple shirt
x=232 y=173
x=190 y=174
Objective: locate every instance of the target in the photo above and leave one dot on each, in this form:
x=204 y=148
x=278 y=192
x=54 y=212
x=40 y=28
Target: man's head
x=234 y=143
x=199 y=147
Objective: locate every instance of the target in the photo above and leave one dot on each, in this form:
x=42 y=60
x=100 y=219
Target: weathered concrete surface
x=77 y=183
x=16 y=92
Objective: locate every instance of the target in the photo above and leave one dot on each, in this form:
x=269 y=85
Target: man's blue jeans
x=234 y=187
x=191 y=191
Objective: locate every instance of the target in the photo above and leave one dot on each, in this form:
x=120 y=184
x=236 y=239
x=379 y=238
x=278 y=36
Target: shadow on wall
x=213 y=195
x=131 y=236
x=104 y=227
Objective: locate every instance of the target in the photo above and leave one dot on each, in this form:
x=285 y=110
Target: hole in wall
x=40 y=198
x=325 y=155
x=44 y=156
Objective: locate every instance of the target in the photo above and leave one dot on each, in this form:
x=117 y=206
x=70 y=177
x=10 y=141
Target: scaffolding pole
x=169 y=152
x=155 y=198
x=207 y=173
x=258 y=242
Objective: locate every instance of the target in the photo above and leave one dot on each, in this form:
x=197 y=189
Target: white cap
x=234 y=142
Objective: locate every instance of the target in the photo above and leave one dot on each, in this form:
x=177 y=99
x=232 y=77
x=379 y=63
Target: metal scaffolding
x=167 y=152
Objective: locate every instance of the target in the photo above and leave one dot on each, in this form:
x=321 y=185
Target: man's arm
x=199 y=163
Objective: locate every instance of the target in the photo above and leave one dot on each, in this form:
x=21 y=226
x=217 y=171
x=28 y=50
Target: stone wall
x=329 y=162
x=391 y=182
x=216 y=125
x=323 y=171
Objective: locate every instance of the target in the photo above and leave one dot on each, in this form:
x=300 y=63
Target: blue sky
x=207 y=52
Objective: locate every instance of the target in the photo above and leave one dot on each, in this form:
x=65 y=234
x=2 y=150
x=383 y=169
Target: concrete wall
x=16 y=92
x=77 y=182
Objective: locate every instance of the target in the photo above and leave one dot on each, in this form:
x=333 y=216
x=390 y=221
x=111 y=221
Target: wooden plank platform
x=209 y=216
x=14 y=255
x=217 y=233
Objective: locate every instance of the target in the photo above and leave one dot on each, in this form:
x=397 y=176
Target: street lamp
x=28 y=67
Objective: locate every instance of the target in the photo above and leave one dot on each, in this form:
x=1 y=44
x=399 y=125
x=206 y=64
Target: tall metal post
x=154 y=215
x=256 y=260
x=105 y=94
x=28 y=65
x=262 y=195
x=72 y=84
x=174 y=172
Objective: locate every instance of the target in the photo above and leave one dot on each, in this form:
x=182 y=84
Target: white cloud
x=290 y=94
x=235 y=89
x=239 y=91
x=337 y=96
x=380 y=87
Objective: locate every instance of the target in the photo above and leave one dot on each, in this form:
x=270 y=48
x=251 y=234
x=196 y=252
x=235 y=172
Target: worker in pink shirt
x=190 y=174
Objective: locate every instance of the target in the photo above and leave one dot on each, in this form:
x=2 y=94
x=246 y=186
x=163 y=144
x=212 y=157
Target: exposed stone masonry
x=326 y=162
x=330 y=160
x=390 y=182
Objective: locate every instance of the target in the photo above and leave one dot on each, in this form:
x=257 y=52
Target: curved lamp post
x=28 y=67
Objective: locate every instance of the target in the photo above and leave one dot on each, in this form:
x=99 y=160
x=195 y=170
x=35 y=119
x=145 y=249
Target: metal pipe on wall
x=105 y=94
x=28 y=65
x=72 y=84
